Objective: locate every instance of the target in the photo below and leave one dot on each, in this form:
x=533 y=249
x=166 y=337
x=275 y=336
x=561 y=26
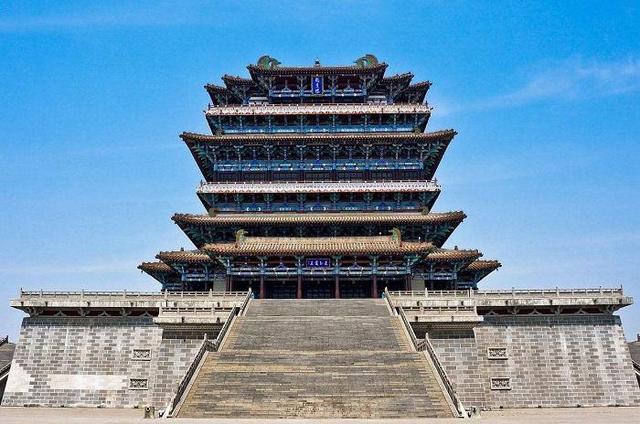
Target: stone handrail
x=238 y=310
x=508 y=293
x=422 y=345
x=418 y=344
x=223 y=331
x=320 y=108
x=387 y=299
x=124 y=294
x=316 y=186
x=428 y=347
x=245 y=303
x=5 y=369
x=184 y=383
x=205 y=347
x=190 y=310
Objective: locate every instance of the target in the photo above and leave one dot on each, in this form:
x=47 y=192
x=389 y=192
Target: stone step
x=315 y=359
x=310 y=333
x=318 y=307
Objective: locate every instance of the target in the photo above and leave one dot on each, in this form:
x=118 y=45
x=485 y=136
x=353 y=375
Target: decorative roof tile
x=153 y=267
x=445 y=255
x=446 y=135
x=317 y=70
x=318 y=246
x=185 y=256
x=320 y=218
x=486 y=265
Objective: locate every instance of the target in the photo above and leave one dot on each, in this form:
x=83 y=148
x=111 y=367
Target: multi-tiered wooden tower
x=319 y=184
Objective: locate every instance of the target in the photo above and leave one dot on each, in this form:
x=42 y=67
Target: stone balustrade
x=37 y=302
x=309 y=109
x=558 y=300
x=318 y=187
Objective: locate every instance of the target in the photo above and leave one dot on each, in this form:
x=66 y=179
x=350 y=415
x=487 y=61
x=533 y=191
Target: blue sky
x=544 y=95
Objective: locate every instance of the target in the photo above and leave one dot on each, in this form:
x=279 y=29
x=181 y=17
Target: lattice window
x=501 y=383
x=138 y=383
x=497 y=353
x=141 y=354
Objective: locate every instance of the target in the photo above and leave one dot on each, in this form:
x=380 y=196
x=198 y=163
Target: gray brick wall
x=88 y=361
x=560 y=361
x=458 y=353
x=551 y=361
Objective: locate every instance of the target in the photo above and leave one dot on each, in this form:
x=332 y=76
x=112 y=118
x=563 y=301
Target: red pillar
x=299 y=291
x=407 y=282
x=231 y=283
x=374 y=286
x=337 y=294
x=262 y=289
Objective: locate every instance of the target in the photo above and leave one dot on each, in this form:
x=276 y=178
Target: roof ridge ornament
x=268 y=62
x=241 y=236
x=396 y=235
x=366 y=61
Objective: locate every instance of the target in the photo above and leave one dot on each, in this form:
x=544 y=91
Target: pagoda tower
x=318 y=183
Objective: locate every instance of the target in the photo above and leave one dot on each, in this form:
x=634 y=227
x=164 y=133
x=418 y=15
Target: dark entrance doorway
x=355 y=289
x=392 y=284
x=318 y=289
x=281 y=289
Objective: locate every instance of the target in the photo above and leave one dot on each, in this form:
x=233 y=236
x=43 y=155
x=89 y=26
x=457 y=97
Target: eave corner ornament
x=267 y=62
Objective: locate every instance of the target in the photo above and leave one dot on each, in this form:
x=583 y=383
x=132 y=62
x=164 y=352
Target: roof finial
x=267 y=62
x=317 y=63
x=366 y=61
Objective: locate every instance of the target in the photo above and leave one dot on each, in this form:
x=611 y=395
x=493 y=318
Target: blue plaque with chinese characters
x=317 y=85
x=318 y=262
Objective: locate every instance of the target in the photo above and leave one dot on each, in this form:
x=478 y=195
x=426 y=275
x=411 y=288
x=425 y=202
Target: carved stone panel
x=497 y=353
x=138 y=383
x=141 y=354
x=500 y=383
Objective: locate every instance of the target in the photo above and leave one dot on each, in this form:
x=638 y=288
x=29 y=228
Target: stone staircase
x=315 y=359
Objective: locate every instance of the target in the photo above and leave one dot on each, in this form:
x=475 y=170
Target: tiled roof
x=318 y=246
x=152 y=267
x=406 y=77
x=396 y=137
x=320 y=187
x=453 y=255
x=237 y=80
x=420 y=84
x=487 y=265
x=320 y=218
x=317 y=70
x=216 y=88
x=186 y=256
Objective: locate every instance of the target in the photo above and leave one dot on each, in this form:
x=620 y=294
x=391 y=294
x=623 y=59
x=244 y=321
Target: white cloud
x=577 y=78
x=566 y=80
x=96 y=19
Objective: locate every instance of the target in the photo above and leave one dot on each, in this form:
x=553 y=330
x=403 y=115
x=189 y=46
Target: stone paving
x=510 y=416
